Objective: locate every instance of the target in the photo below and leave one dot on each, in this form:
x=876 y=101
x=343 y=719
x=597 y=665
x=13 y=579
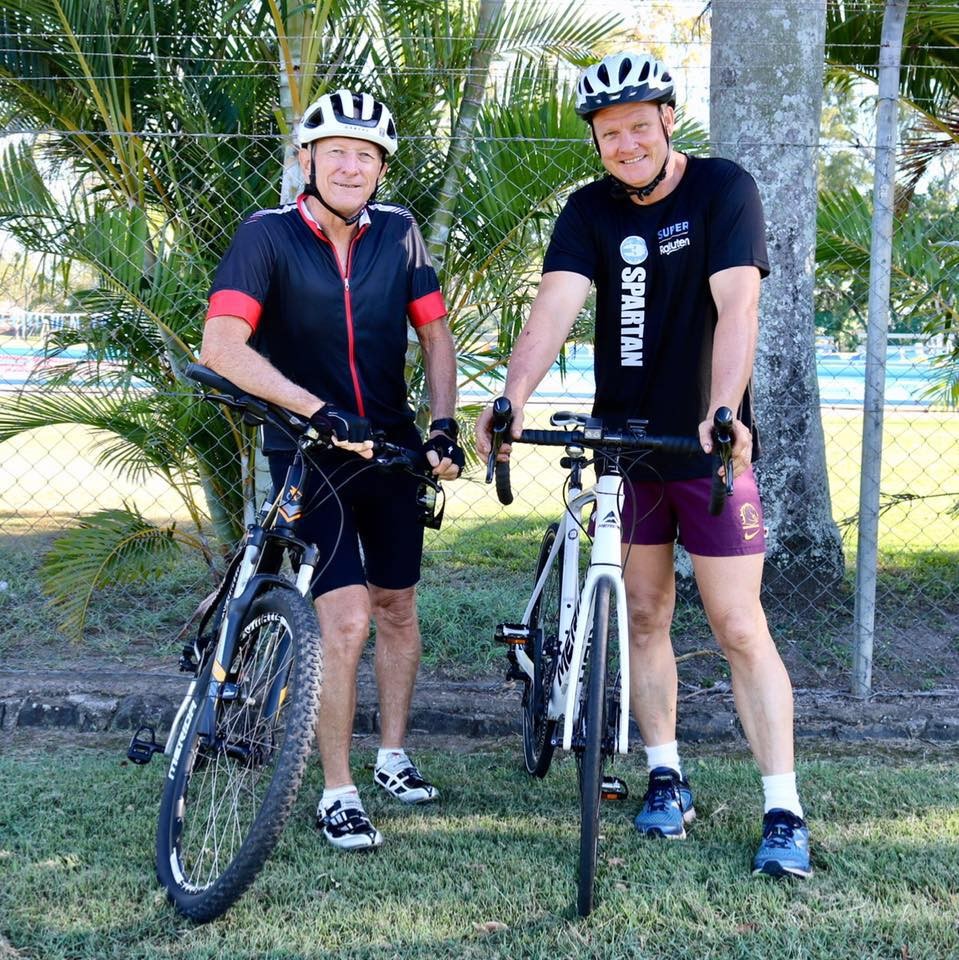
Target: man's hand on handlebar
x=444 y=455
x=742 y=444
x=484 y=433
x=345 y=430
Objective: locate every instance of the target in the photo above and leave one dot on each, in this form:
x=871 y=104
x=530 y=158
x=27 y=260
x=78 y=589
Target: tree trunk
x=765 y=102
x=461 y=139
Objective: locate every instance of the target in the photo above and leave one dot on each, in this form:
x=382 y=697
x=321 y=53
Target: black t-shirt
x=339 y=330
x=655 y=315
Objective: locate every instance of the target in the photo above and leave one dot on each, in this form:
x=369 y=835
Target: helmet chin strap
x=623 y=190
x=311 y=190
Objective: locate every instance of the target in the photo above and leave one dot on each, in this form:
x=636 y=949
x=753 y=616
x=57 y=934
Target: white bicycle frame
x=576 y=604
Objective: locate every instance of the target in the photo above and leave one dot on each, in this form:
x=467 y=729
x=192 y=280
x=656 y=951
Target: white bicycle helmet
x=348 y=114
x=625 y=77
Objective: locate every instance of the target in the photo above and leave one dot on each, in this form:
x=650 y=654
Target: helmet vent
x=603 y=74
x=644 y=73
x=625 y=67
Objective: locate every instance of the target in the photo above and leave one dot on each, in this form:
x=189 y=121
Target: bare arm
x=439 y=362
x=559 y=299
x=226 y=350
x=736 y=294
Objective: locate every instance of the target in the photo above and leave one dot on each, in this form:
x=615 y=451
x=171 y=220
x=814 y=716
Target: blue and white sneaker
x=784 y=850
x=667 y=806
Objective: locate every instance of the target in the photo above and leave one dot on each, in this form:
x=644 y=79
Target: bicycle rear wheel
x=593 y=710
x=543 y=649
x=228 y=796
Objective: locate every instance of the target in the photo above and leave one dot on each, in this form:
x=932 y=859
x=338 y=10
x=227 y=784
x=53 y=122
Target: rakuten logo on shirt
x=673 y=238
x=632 y=316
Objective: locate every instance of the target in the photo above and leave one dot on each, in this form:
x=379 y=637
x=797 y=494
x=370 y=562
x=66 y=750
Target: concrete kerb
x=120 y=700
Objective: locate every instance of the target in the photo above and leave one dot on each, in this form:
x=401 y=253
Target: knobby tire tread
x=290 y=767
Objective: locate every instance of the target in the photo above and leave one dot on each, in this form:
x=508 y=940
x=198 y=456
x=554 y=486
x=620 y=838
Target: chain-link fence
x=117 y=490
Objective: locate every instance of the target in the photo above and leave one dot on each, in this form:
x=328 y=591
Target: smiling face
x=632 y=143
x=347 y=171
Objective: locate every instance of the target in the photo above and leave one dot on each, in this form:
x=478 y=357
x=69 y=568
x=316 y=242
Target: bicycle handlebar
x=255 y=411
x=596 y=436
x=723 y=438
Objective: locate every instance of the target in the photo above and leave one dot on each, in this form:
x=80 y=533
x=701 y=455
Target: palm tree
x=925 y=269
x=152 y=127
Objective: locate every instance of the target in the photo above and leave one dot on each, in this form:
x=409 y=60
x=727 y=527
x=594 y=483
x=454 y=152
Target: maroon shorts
x=656 y=512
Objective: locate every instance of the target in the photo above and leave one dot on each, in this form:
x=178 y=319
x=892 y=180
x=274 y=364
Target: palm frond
x=109 y=547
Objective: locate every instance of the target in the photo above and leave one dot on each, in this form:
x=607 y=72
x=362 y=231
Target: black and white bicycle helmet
x=625 y=77
x=348 y=114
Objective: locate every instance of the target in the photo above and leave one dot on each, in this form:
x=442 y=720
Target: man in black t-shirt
x=676 y=248
x=310 y=308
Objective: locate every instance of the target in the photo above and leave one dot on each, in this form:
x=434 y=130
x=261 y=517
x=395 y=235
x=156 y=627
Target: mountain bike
x=240 y=741
x=575 y=625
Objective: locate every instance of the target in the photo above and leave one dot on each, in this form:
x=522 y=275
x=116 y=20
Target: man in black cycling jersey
x=310 y=309
x=676 y=248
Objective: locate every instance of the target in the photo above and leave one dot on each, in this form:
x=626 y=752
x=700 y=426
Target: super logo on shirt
x=632 y=310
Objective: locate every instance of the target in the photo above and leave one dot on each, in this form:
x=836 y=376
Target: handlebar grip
x=723 y=438
x=499 y=428
x=717 y=495
x=504 y=491
x=204 y=375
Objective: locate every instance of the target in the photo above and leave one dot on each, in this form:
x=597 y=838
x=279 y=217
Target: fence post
x=880 y=264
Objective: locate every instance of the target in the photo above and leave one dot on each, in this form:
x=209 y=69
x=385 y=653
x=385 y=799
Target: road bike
x=571 y=647
x=240 y=741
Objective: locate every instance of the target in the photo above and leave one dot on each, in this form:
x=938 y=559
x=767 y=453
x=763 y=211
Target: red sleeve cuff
x=233 y=303
x=426 y=309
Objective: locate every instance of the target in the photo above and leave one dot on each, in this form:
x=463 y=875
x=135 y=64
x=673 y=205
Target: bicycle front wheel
x=543 y=649
x=240 y=759
x=593 y=712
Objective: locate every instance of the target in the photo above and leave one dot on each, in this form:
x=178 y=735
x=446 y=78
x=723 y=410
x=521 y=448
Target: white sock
x=665 y=755
x=330 y=796
x=779 y=791
x=392 y=757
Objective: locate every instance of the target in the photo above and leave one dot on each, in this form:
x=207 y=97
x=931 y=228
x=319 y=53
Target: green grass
x=77 y=873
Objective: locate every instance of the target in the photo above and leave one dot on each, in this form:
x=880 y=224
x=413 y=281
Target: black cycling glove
x=443 y=447
x=341 y=424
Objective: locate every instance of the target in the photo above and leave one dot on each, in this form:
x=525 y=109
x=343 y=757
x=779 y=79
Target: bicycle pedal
x=141 y=750
x=512 y=634
x=613 y=788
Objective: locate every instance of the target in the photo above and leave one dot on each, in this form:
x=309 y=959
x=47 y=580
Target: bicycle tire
x=543 y=649
x=224 y=805
x=591 y=761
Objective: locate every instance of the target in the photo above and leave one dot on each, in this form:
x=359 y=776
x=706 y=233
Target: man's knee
x=742 y=632
x=344 y=618
x=395 y=609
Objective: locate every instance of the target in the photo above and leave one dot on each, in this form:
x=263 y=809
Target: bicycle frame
x=576 y=605
x=275 y=520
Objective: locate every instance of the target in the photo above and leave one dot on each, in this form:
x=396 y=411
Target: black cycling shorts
x=363 y=519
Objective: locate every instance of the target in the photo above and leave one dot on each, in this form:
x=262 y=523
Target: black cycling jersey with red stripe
x=337 y=329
